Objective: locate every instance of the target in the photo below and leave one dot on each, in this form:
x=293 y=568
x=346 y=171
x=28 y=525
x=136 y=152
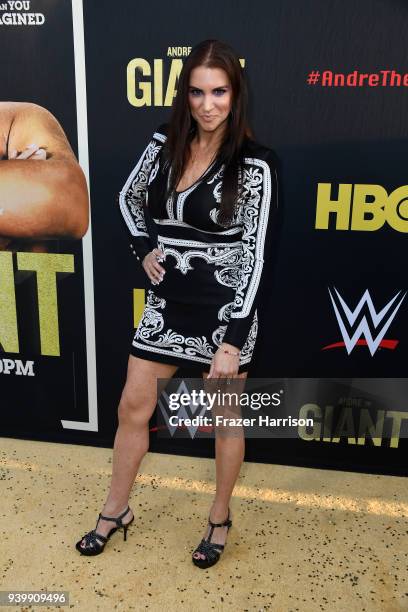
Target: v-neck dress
x=212 y=285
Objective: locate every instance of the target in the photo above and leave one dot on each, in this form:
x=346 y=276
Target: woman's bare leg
x=229 y=455
x=136 y=406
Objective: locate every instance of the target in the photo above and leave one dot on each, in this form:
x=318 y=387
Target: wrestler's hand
x=224 y=365
x=33 y=151
x=151 y=266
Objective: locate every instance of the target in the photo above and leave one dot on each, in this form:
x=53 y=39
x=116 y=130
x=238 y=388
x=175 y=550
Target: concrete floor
x=302 y=539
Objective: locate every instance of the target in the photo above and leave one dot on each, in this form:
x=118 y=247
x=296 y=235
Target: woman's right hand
x=152 y=267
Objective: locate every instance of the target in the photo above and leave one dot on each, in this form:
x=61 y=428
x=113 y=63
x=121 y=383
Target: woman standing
x=210 y=193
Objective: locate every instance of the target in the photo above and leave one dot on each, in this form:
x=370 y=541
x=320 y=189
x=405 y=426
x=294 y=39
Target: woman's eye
x=195 y=92
x=219 y=92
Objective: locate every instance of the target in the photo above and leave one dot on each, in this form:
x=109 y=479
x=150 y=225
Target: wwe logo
x=194 y=409
x=380 y=321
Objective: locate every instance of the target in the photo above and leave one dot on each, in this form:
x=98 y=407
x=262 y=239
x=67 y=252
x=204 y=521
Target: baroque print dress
x=212 y=285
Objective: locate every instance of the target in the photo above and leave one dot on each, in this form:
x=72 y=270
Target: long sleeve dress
x=212 y=285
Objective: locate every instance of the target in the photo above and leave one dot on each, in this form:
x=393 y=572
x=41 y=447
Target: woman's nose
x=207 y=103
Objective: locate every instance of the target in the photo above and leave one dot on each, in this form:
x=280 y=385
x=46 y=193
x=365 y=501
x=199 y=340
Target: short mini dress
x=212 y=285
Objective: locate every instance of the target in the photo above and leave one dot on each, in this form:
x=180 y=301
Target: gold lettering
x=397 y=209
x=340 y=207
x=8 y=312
x=135 y=66
x=396 y=417
x=176 y=66
x=345 y=426
x=158 y=82
x=328 y=423
x=145 y=89
x=46 y=265
x=361 y=207
x=366 y=426
x=138 y=305
x=310 y=411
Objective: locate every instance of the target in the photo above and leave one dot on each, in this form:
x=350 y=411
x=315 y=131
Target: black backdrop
x=321 y=134
x=353 y=135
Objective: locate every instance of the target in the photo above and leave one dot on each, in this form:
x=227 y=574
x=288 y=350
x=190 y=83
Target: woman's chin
x=210 y=126
x=207 y=127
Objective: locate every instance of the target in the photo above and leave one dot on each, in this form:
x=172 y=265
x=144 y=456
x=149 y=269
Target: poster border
x=83 y=158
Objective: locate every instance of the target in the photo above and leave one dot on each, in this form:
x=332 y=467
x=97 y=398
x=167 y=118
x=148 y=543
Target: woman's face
x=210 y=97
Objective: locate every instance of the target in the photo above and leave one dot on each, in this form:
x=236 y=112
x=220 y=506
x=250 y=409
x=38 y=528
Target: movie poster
x=44 y=216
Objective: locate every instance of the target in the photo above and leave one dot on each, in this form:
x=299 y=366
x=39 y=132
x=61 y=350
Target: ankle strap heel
x=119 y=522
x=95 y=542
x=226 y=523
x=116 y=519
x=211 y=550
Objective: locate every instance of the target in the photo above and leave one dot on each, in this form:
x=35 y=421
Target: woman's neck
x=206 y=141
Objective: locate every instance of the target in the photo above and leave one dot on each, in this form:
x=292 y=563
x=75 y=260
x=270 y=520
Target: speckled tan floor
x=302 y=539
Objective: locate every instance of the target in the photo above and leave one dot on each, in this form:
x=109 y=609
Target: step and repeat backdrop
x=84 y=86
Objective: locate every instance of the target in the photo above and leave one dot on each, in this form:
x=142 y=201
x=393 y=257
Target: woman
x=209 y=194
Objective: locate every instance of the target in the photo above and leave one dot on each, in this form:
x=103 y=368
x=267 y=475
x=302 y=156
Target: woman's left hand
x=224 y=365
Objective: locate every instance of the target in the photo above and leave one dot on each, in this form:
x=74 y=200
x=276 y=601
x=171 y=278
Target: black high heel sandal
x=95 y=542
x=211 y=550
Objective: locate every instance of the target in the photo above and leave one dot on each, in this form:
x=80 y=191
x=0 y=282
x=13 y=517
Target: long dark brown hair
x=182 y=127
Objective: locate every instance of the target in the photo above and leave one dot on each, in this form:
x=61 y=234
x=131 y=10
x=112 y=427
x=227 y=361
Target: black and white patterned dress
x=212 y=283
